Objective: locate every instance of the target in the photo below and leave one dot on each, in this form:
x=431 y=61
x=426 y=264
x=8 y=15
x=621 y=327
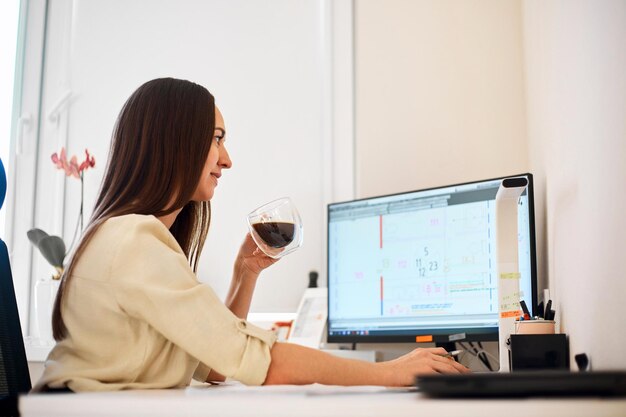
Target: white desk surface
x=309 y=400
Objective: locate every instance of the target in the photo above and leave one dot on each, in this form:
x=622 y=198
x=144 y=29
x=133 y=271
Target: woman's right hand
x=251 y=258
x=422 y=361
x=295 y=364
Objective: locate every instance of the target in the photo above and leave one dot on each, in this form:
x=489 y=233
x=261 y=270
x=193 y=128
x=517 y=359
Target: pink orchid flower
x=89 y=162
x=59 y=161
x=73 y=168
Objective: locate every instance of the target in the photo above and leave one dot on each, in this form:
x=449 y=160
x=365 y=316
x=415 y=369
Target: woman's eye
x=218 y=139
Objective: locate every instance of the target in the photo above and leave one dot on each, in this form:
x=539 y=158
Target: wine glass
x=276 y=227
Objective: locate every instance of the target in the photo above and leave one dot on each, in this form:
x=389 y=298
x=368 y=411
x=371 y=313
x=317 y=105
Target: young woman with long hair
x=130 y=311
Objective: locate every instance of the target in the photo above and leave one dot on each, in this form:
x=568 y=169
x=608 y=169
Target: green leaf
x=53 y=249
x=35 y=235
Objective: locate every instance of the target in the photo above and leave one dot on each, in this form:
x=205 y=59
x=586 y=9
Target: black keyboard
x=525 y=384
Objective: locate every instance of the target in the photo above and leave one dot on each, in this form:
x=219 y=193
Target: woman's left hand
x=251 y=258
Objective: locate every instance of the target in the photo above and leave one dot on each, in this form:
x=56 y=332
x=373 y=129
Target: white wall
x=439 y=98
x=448 y=91
x=575 y=60
x=439 y=93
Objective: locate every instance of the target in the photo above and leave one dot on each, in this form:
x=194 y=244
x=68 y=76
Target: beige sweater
x=137 y=317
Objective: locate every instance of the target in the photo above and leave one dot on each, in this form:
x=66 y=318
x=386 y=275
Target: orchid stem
x=79 y=223
x=82 y=186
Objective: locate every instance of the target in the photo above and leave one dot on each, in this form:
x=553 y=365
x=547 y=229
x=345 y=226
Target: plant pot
x=45 y=294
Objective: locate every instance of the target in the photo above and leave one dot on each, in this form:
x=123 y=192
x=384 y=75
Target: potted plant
x=53 y=248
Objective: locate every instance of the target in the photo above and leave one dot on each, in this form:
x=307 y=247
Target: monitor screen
x=422 y=263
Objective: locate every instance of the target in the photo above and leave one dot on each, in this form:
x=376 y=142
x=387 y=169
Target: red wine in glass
x=276 y=227
x=276 y=234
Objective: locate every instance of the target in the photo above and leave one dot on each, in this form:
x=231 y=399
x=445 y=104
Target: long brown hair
x=160 y=144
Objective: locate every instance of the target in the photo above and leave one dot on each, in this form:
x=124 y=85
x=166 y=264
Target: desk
x=305 y=401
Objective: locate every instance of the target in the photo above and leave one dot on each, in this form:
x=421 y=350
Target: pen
x=546 y=314
x=522 y=303
x=451 y=353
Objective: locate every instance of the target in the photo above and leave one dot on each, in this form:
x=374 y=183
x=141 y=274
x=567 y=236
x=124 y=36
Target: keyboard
x=525 y=384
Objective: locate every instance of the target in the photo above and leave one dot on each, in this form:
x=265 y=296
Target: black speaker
x=539 y=351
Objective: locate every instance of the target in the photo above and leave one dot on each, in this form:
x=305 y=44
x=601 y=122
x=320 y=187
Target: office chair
x=14 y=375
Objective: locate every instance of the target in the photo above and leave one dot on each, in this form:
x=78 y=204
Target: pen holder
x=535 y=327
x=539 y=351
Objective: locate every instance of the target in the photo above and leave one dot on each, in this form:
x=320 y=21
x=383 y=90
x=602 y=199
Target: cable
x=474 y=359
x=481 y=354
x=484 y=356
x=492 y=356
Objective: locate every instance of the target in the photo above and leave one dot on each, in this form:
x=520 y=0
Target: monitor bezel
x=440 y=336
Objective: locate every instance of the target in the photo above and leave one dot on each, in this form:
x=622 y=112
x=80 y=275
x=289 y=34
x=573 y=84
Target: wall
x=439 y=99
x=439 y=93
x=461 y=90
x=575 y=60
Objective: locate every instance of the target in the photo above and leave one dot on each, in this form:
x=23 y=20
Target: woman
x=131 y=313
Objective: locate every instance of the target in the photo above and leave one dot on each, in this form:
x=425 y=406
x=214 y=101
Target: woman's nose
x=224 y=160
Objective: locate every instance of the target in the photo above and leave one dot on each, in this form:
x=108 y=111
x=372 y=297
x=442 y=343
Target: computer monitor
x=407 y=266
